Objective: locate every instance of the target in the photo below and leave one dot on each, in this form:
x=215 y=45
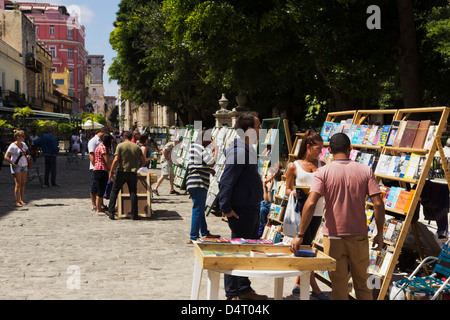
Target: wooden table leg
x=278 y=289
x=213 y=285
x=196 y=281
x=304 y=285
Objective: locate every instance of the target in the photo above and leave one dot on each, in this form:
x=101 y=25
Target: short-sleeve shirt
x=15 y=152
x=199 y=167
x=345 y=185
x=99 y=161
x=129 y=154
x=92 y=145
x=168 y=147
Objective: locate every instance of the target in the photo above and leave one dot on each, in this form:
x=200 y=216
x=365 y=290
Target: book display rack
x=399 y=150
x=181 y=163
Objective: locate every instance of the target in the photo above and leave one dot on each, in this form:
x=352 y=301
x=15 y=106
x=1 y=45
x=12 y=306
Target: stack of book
x=405 y=166
x=380 y=260
x=391 y=230
x=272 y=233
x=363 y=157
x=400 y=134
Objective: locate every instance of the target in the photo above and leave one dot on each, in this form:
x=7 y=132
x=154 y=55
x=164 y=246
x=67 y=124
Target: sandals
x=155 y=192
x=174 y=192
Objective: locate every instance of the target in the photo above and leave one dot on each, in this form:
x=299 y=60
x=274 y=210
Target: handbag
x=20 y=156
x=108 y=189
x=291 y=221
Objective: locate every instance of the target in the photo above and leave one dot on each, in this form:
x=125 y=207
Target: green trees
x=282 y=54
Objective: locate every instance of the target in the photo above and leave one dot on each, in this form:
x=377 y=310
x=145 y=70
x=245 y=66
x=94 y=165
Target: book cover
x=403 y=165
x=267 y=139
x=276 y=212
x=377 y=136
x=421 y=135
x=352 y=131
x=383 y=164
x=353 y=154
x=393 y=166
x=323 y=154
x=408 y=202
x=326 y=130
x=409 y=134
x=362 y=133
x=421 y=165
x=393 y=197
x=367 y=135
x=384 y=135
x=399 y=135
x=413 y=166
x=356 y=134
x=373 y=133
x=430 y=137
x=402 y=200
x=392 y=133
x=346 y=128
x=386 y=194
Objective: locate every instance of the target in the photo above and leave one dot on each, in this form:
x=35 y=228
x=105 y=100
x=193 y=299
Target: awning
x=39 y=113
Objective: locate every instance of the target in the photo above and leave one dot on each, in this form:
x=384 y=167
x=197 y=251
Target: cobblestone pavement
x=55 y=239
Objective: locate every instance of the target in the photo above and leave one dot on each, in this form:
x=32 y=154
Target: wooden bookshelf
x=440 y=115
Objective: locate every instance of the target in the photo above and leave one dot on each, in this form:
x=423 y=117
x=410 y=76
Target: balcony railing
x=11 y=98
x=32 y=64
x=49 y=97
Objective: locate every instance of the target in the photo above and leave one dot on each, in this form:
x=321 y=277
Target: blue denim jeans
x=198 y=220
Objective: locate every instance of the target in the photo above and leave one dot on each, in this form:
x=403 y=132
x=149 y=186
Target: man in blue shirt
x=240 y=196
x=50 y=149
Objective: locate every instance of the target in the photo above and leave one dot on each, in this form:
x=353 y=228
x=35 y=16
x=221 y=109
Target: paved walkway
x=55 y=238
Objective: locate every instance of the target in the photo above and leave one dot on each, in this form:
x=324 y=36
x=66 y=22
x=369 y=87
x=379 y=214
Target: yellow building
x=62 y=80
x=11 y=75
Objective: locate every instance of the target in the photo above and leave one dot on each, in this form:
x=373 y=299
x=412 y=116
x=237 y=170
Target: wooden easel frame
x=402 y=114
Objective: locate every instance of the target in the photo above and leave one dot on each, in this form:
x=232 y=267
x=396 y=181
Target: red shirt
x=99 y=162
x=345 y=185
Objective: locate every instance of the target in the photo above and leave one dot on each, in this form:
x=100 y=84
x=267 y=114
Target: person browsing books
x=300 y=174
x=127 y=160
x=345 y=184
x=240 y=196
x=197 y=184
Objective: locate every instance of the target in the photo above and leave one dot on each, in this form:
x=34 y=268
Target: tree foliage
x=283 y=54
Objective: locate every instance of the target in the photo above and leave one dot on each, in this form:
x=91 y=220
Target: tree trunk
x=408 y=56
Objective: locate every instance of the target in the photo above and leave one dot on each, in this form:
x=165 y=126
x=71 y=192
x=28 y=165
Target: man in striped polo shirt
x=200 y=164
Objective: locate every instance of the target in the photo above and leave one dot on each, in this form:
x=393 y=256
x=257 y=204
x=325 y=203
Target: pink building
x=63 y=36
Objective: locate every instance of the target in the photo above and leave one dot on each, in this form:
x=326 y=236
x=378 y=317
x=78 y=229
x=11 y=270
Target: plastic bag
x=143 y=170
x=291 y=221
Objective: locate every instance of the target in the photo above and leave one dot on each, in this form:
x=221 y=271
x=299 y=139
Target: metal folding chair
x=429 y=286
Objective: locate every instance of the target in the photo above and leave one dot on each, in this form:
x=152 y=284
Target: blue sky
x=98 y=17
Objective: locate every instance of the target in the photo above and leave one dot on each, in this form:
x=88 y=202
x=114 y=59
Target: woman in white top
x=17 y=156
x=301 y=173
